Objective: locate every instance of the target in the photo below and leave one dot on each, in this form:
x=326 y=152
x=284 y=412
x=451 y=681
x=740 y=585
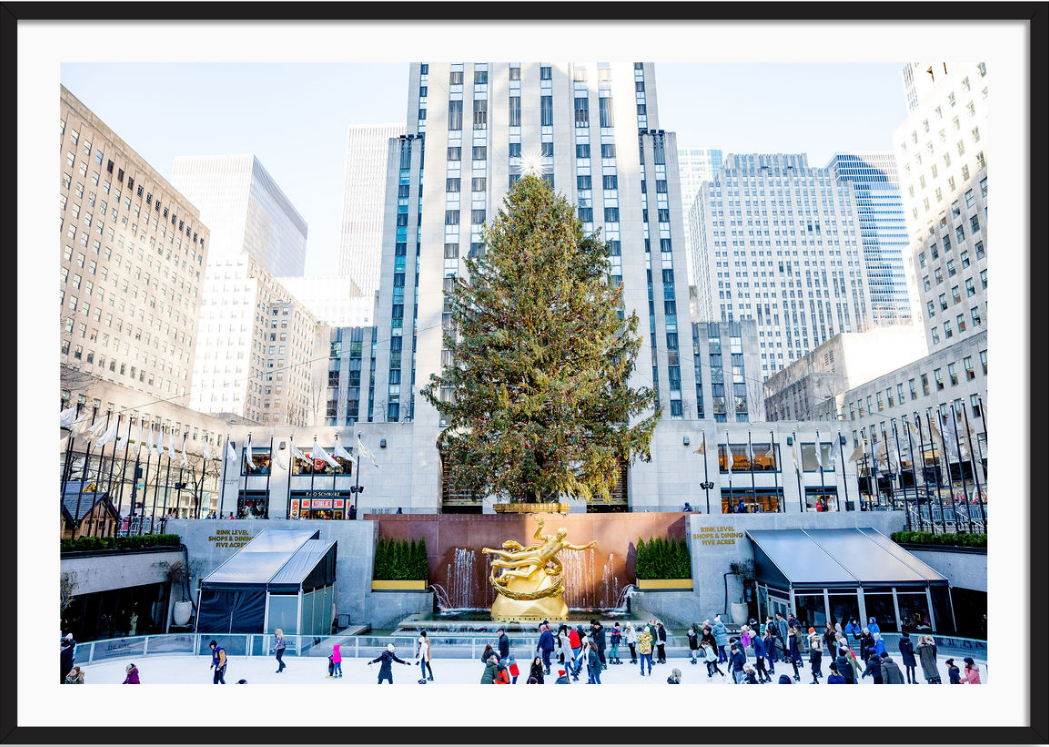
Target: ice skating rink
x=191 y=670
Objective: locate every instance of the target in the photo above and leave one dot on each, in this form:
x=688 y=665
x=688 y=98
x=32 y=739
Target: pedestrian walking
x=910 y=664
x=720 y=638
x=631 y=641
x=873 y=668
x=815 y=655
x=782 y=634
x=385 y=661
x=218 y=663
x=971 y=676
x=536 y=671
x=279 y=645
x=768 y=642
x=132 y=675
x=866 y=645
x=504 y=644
x=593 y=664
x=736 y=663
x=598 y=637
x=759 y=659
x=794 y=650
x=710 y=656
x=644 y=650
x=565 y=648
x=424 y=656
x=616 y=638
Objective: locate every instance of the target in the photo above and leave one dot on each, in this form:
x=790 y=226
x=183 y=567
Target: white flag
x=81 y=423
x=67 y=417
x=819 y=452
x=171 y=443
x=107 y=437
x=282 y=463
x=138 y=439
x=149 y=442
x=297 y=454
x=96 y=430
x=750 y=451
x=364 y=452
x=795 y=452
x=230 y=453
x=319 y=453
x=951 y=434
x=731 y=459
x=206 y=452
x=158 y=445
x=340 y=452
x=248 y=456
x=184 y=462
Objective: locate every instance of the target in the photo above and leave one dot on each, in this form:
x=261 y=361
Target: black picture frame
x=1035 y=14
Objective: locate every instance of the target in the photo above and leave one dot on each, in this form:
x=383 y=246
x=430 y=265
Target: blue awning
x=818 y=558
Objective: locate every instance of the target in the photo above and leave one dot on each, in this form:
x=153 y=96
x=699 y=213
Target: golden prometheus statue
x=531 y=583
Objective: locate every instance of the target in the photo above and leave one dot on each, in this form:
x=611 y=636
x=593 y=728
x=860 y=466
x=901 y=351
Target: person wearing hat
x=784 y=679
x=872 y=626
x=953 y=673
x=835 y=678
x=385 y=661
x=972 y=673
x=132 y=675
x=502 y=676
x=491 y=668
x=815 y=655
x=720 y=637
x=511 y=666
x=891 y=674
x=927 y=656
x=562 y=678
x=873 y=668
x=675 y=677
x=907 y=657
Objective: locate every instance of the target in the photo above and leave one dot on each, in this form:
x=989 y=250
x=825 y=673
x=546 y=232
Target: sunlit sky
x=294 y=116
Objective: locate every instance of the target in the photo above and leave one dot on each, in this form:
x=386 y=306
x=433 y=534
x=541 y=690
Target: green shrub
x=662 y=558
x=947 y=539
x=400 y=560
x=133 y=542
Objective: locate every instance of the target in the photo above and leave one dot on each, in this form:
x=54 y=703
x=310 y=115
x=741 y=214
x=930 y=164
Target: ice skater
x=385 y=661
x=218 y=663
x=278 y=646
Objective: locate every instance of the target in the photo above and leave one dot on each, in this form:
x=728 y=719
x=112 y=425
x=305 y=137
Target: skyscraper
x=883 y=230
x=134 y=251
x=249 y=211
x=696 y=165
x=940 y=150
x=780 y=243
x=364 y=187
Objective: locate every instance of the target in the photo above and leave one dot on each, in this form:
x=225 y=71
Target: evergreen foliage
x=662 y=558
x=401 y=560
x=541 y=404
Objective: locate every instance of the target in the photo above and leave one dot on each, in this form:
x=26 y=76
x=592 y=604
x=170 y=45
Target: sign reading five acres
x=718 y=535
x=232 y=538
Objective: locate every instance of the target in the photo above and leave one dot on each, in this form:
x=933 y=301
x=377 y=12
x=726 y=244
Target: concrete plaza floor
x=187 y=670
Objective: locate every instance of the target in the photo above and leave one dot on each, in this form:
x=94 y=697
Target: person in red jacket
x=502 y=676
x=515 y=671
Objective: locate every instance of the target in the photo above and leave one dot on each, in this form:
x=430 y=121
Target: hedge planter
x=664 y=584
x=531 y=508
x=399 y=585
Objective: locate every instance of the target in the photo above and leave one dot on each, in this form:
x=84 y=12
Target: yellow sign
x=726 y=535
x=230 y=538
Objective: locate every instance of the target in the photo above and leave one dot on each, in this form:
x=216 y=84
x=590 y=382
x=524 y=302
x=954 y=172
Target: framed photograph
x=292 y=455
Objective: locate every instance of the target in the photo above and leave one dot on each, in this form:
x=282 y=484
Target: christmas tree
x=541 y=406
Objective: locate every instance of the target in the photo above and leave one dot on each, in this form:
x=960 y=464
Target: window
x=974 y=224
x=455 y=78
x=515 y=73
x=975 y=314
x=480 y=153
x=964 y=258
x=952 y=373
x=970 y=288
x=515 y=111
x=455 y=115
x=913 y=388
x=608 y=150
x=478 y=184
x=607 y=118
x=545 y=72
x=546 y=111
x=452 y=185
x=582 y=112
x=979 y=250
x=582 y=150
x=480 y=77
x=546 y=150
x=937 y=374
x=515 y=150
x=983 y=279
x=481 y=113
x=477 y=217
x=583 y=183
x=455 y=154
x=451 y=218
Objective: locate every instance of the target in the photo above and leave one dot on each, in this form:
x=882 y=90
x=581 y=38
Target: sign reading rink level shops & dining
x=230 y=537
x=717 y=535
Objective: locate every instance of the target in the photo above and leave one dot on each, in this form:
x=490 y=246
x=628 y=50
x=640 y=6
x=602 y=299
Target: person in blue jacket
x=834 y=678
x=737 y=661
x=759 y=659
x=546 y=647
x=879 y=644
x=872 y=626
x=793 y=652
x=853 y=630
x=910 y=664
x=720 y=638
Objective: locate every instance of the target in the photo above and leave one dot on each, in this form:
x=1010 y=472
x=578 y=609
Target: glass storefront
x=811 y=605
x=320 y=504
x=811 y=609
x=914 y=611
x=742 y=501
x=253 y=504
x=881 y=607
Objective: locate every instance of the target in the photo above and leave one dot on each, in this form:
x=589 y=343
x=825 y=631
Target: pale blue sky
x=294 y=116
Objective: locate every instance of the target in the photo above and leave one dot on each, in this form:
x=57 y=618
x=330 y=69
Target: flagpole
x=939 y=494
x=344 y=511
x=750 y=458
x=874 y=472
x=357 y=485
x=291 y=471
x=98 y=476
x=819 y=463
x=961 y=469
x=706 y=471
x=914 y=476
x=899 y=465
x=313 y=471
x=780 y=507
x=69 y=453
x=222 y=483
x=123 y=470
x=112 y=464
x=167 y=476
x=925 y=478
x=83 y=478
x=972 y=461
x=156 y=485
x=844 y=475
x=796 y=449
x=269 y=474
x=178 y=497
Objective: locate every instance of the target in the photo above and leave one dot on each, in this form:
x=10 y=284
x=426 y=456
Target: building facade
x=798 y=392
x=696 y=166
x=364 y=187
x=940 y=148
x=257 y=347
x=350 y=376
x=334 y=300
x=883 y=229
x=728 y=378
x=247 y=209
x=134 y=252
x=781 y=244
